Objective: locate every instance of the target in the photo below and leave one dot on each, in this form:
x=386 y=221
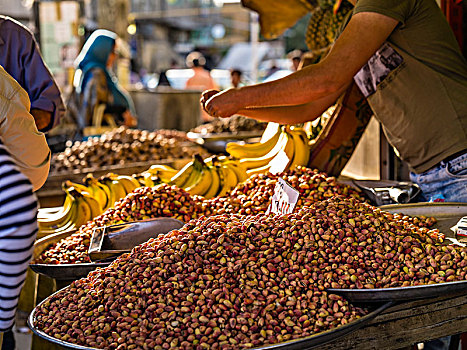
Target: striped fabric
x=18 y=229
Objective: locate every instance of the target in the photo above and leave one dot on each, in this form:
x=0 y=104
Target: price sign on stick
x=284 y=198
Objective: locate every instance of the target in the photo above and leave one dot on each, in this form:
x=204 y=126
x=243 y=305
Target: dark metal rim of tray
x=303 y=343
x=66 y=271
x=425 y=291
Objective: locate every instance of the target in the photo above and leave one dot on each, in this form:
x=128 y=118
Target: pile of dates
x=123 y=146
x=143 y=203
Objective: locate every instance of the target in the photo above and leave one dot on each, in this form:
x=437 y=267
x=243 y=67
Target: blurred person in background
x=295 y=58
x=201 y=79
x=96 y=85
x=24 y=166
x=21 y=58
x=236 y=78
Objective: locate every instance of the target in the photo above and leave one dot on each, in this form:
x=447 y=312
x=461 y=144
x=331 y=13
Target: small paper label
x=284 y=199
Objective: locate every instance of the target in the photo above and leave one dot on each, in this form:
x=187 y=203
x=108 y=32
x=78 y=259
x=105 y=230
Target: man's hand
x=205 y=96
x=42 y=118
x=223 y=104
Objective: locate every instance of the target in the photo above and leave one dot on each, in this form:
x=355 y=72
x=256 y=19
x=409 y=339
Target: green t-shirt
x=416 y=84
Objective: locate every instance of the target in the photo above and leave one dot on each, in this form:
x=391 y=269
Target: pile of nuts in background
x=124 y=146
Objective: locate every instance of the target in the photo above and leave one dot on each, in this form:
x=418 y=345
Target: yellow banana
x=253 y=150
x=116 y=189
x=148 y=181
x=182 y=176
x=302 y=150
x=215 y=183
x=78 y=187
x=162 y=171
x=129 y=182
x=196 y=173
x=239 y=171
x=83 y=211
x=100 y=192
x=203 y=183
x=59 y=219
x=228 y=180
x=93 y=204
x=260 y=170
x=283 y=159
x=250 y=163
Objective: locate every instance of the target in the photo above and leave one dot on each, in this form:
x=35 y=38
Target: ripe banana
x=215 y=183
x=93 y=204
x=283 y=159
x=163 y=172
x=260 y=170
x=302 y=150
x=250 y=163
x=203 y=183
x=129 y=182
x=239 y=171
x=228 y=180
x=182 y=176
x=253 y=150
x=117 y=190
x=99 y=191
x=83 y=213
x=79 y=187
x=148 y=180
x=58 y=219
x=198 y=164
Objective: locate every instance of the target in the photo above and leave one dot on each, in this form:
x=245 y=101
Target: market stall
x=261 y=246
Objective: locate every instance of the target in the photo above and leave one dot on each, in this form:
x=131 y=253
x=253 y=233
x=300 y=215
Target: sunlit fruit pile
x=123 y=146
x=233 y=281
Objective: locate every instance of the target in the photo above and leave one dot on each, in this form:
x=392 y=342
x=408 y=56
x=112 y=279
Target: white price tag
x=284 y=198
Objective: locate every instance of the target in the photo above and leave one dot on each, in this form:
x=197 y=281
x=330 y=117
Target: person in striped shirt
x=24 y=166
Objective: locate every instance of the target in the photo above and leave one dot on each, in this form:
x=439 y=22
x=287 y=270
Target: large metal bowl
x=447 y=214
x=403 y=293
x=64 y=272
x=303 y=343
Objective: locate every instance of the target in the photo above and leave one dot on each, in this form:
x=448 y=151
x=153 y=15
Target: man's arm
x=364 y=34
x=44 y=93
x=293 y=114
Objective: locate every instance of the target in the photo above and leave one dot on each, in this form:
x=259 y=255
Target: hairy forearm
x=309 y=84
x=293 y=114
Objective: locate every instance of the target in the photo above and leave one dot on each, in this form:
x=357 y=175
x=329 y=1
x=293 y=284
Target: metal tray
x=447 y=214
x=402 y=293
x=65 y=272
x=111 y=241
x=303 y=343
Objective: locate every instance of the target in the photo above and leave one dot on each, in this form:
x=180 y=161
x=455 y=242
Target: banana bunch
x=285 y=148
x=79 y=207
x=155 y=175
x=209 y=178
x=84 y=202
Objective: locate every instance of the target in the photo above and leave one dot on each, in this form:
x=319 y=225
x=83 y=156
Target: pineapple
x=324 y=25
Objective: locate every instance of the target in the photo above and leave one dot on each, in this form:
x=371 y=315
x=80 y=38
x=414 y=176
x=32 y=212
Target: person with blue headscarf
x=95 y=85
